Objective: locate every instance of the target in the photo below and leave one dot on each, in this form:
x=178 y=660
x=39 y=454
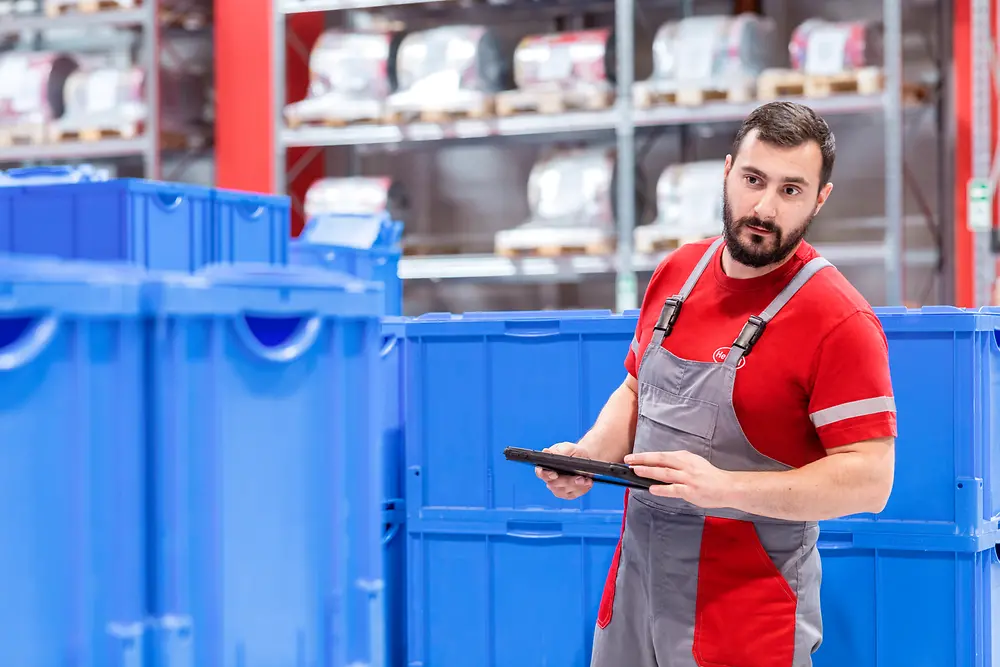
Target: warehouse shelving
x=145 y=21
x=626 y=124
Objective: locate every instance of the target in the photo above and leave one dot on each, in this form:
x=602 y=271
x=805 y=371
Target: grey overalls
x=712 y=588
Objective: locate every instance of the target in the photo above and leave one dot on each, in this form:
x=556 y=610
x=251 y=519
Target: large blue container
x=148 y=223
x=394 y=539
x=72 y=467
x=945 y=365
x=268 y=398
x=477 y=523
x=250 y=227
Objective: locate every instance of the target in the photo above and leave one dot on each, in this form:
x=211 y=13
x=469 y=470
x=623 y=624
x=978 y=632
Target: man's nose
x=766 y=208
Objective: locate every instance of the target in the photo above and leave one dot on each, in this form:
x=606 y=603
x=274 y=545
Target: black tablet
x=618 y=474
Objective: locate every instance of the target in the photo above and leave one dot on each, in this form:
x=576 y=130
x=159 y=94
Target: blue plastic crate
x=268 y=398
x=250 y=227
x=394 y=540
x=377 y=264
x=945 y=365
x=72 y=465
x=480 y=382
x=147 y=223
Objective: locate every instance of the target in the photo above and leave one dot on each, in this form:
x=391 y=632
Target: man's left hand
x=685 y=475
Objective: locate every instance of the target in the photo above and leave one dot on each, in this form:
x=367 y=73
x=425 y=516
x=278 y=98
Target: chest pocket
x=678 y=414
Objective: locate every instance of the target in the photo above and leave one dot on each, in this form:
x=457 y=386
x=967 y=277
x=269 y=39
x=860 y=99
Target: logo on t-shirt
x=719 y=356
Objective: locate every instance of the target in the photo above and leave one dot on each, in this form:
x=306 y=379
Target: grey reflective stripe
x=862 y=408
x=635 y=345
x=800 y=279
x=699 y=269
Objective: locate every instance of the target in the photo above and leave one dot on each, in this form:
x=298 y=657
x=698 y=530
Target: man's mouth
x=758 y=230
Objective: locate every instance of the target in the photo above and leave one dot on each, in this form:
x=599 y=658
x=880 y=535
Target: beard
x=760 y=250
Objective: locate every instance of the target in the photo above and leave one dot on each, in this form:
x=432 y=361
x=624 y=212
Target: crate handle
x=168 y=201
x=534 y=530
x=23 y=338
x=250 y=210
x=389 y=342
x=390 y=533
x=280 y=339
x=528 y=328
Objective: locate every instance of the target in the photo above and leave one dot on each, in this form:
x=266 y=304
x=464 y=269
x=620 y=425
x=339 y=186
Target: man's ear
x=728 y=167
x=824 y=194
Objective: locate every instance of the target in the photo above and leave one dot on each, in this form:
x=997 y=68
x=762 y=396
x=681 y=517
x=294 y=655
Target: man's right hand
x=567 y=487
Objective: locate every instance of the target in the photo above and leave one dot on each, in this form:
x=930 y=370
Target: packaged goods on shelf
x=31 y=93
x=560 y=71
x=18 y=7
x=689 y=206
x=571 y=200
x=57 y=7
x=356 y=195
x=704 y=58
x=351 y=74
x=105 y=99
x=451 y=71
x=827 y=58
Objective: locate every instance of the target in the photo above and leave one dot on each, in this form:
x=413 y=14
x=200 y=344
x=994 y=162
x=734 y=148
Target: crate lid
x=236 y=289
x=528 y=323
x=938 y=318
x=43 y=284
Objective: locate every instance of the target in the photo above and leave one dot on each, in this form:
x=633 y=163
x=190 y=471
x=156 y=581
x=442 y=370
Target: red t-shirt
x=818 y=377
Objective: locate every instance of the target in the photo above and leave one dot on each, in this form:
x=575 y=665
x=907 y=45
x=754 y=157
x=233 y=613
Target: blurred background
x=496 y=131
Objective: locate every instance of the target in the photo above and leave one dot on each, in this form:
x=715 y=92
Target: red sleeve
x=651 y=301
x=852 y=398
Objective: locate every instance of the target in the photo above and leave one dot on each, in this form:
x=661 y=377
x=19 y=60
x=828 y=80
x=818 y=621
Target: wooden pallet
x=23 y=135
x=646 y=94
x=511 y=102
x=56 y=8
x=664 y=244
x=92 y=134
x=597 y=248
x=477 y=109
x=775 y=83
x=296 y=123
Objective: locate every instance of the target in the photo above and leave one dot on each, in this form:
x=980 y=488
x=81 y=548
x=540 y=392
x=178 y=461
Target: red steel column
x=964 y=260
x=245 y=123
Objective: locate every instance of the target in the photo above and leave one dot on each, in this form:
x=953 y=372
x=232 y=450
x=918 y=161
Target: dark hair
x=788 y=124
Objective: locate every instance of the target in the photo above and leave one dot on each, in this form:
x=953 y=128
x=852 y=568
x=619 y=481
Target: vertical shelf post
x=626 y=288
x=893 y=123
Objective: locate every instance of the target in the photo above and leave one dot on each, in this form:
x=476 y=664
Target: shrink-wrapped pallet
x=688 y=204
x=828 y=57
x=350 y=76
x=57 y=7
x=450 y=70
x=702 y=58
x=571 y=197
x=102 y=100
x=31 y=93
x=557 y=71
x=356 y=195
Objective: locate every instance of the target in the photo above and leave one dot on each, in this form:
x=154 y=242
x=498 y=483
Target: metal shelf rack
x=624 y=121
x=145 y=20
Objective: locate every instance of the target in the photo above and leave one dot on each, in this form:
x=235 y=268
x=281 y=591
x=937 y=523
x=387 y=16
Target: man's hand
x=685 y=475
x=567 y=487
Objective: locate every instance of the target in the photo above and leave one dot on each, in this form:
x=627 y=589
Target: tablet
x=618 y=474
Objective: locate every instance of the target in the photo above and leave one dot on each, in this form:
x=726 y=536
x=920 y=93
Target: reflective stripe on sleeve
x=864 y=407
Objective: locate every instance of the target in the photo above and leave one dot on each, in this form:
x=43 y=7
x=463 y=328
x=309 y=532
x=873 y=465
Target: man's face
x=770 y=196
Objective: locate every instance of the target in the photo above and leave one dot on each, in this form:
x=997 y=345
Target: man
x=758 y=393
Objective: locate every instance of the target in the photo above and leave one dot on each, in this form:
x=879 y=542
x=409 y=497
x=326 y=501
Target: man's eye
x=791 y=192
x=752 y=180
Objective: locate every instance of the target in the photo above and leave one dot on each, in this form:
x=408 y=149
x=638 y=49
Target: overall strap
x=754 y=327
x=672 y=306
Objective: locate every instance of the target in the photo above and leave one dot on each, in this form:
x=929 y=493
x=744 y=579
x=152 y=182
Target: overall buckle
x=750 y=334
x=668 y=316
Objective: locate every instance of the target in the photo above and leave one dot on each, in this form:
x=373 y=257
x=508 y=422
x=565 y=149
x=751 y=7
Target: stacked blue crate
x=267 y=407
x=476 y=523
x=72 y=465
x=367 y=246
x=75 y=213
x=914 y=585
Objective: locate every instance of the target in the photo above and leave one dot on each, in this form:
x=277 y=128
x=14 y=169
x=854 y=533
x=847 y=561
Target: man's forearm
x=837 y=485
x=613 y=434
